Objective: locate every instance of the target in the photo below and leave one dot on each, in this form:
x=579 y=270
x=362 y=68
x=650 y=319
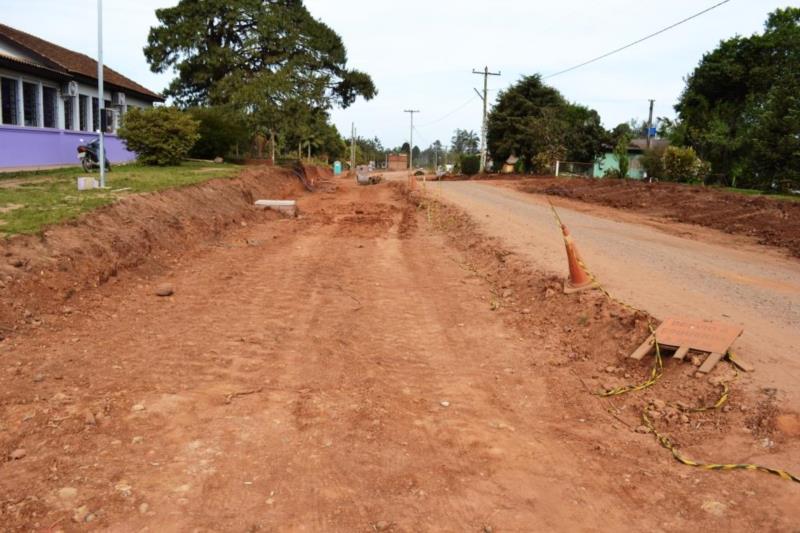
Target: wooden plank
x=681 y=353
x=743 y=365
x=644 y=349
x=711 y=362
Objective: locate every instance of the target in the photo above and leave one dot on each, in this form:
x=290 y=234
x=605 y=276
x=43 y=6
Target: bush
x=653 y=162
x=160 y=135
x=220 y=131
x=682 y=164
x=470 y=164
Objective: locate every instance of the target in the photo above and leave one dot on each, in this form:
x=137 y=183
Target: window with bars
x=8 y=96
x=95 y=114
x=50 y=107
x=83 y=109
x=68 y=113
x=30 y=104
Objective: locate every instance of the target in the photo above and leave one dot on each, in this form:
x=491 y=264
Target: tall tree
x=534 y=121
x=741 y=105
x=465 y=142
x=269 y=58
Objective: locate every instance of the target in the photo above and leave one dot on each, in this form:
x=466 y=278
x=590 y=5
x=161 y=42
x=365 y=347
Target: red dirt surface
x=771 y=221
x=43 y=273
x=374 y=365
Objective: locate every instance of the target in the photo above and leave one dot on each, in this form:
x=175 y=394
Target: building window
x=95 y=114
x=68 y=108
x=50 y=106
x=29 y=103
x=83 y=110
x=8 y=95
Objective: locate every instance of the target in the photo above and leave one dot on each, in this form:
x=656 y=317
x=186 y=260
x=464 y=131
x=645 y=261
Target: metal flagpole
x=101 y=99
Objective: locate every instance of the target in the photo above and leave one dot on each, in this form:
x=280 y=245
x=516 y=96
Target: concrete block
x=286 y=207
x=85 y=184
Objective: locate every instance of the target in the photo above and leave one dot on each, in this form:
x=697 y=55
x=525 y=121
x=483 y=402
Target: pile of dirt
x=40 y=273
x=772 y=221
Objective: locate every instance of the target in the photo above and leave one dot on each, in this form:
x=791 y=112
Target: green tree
x=535 y=122
x=653 y=161
x=470 y=164
x=270 y=59
x=740 y=107
x=220 y=130
x=682 y=164
x=465 y=142
x=621 y=152
x=159 y=135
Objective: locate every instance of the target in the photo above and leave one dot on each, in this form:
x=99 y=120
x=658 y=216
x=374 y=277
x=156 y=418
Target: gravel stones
x=18 y=454
x=164 y=290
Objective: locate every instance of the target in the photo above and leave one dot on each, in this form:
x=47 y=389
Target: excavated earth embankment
x=40 y=274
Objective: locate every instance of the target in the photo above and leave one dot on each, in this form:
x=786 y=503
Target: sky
x=421 y=53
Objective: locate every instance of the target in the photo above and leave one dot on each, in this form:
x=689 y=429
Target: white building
x=49 y=102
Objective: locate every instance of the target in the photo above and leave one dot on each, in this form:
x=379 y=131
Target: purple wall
x=32 y=147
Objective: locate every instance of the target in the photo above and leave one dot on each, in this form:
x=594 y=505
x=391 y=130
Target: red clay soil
x=771 y=221
x=374 y=365
x=43 y=273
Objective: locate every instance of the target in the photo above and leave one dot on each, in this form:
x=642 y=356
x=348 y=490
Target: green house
x=608 y=161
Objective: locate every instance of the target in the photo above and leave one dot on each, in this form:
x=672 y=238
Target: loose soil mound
x=41 y=273
x=772 y=221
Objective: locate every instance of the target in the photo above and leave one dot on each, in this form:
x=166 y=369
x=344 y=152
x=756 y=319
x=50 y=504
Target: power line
x=421 y=136
x=450 y=114
x=643 y=39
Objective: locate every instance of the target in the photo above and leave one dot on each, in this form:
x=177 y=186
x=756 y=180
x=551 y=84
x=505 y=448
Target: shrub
x=682 y=164
x=621 y=151
x=220 y=131
x=160 y=135
x=470 y=164
x=653 y=162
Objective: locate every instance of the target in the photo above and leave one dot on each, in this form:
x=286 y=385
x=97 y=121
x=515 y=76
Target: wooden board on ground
x=682 y=334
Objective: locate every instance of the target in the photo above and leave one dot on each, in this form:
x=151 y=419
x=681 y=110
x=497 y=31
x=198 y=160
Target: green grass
x=30 y=201
x=756 y=192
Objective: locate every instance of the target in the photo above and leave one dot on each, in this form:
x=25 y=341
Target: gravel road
x=709 y=275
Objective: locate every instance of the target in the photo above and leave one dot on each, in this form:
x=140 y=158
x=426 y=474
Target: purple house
x=49 y=102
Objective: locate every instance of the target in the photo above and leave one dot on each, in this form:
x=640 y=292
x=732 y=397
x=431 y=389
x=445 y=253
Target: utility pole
x=484 y=124
x=411 y=139
x=101 y=99
x=353 y=147
x=650 y=123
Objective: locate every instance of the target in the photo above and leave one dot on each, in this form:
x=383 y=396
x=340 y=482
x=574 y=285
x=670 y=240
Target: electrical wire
x=450 y=114
x=643 y=39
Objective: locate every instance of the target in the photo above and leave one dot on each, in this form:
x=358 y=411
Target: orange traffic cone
x=579 y=280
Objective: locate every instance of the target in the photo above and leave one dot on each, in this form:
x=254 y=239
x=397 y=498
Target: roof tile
x=72 y=62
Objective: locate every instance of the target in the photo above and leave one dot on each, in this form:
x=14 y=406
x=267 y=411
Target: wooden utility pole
x=650 y=123
x=411 y=139
x=485 y=124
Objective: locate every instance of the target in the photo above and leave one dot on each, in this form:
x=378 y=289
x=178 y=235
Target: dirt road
x=346 y=372
x=665 y=268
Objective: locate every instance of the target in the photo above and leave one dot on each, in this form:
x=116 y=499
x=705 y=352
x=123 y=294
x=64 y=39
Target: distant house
x=49 y=102
x=608 y=161
x=397 y=161
x=510 y=165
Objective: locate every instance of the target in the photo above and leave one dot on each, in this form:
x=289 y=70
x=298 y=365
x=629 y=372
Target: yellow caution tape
x=666 y=442
x=656 y=373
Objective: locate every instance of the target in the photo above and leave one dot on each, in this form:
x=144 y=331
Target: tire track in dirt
x=296 y=379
